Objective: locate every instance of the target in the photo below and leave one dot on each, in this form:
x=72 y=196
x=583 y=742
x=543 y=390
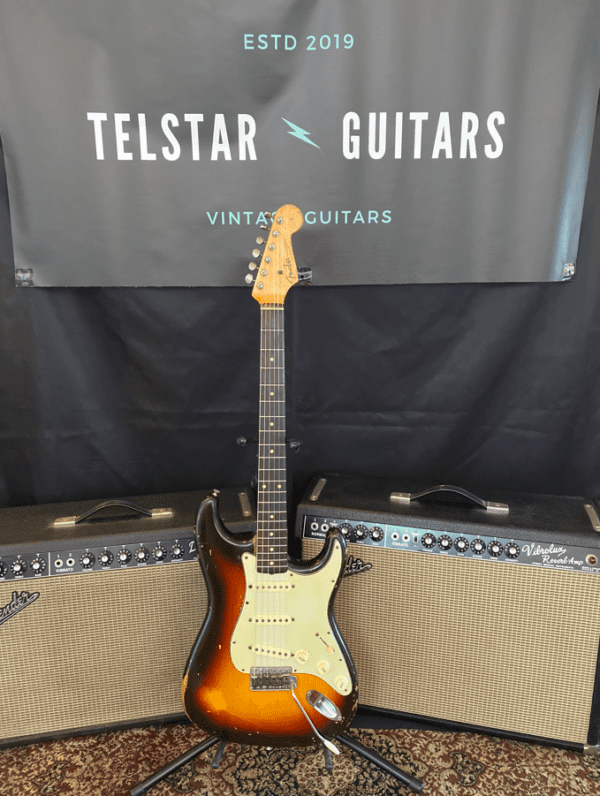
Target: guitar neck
x=272 y=535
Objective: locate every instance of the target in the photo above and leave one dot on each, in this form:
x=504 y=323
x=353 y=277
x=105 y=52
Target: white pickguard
x=284 y=622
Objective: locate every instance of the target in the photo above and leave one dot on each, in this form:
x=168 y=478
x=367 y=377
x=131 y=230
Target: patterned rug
x=450 y=764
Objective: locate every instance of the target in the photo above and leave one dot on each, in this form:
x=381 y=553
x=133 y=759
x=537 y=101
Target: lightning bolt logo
x=298 y=132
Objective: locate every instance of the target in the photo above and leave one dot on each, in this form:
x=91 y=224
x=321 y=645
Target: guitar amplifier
x=480 y=614
x=98 y=613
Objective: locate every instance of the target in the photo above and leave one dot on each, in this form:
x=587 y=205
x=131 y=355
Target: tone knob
x=38 y=565
x=445 y=542
x=461 y=544
x=106 y=558
x=159 y=553
x=512 y=550
x=361 y=532
x=142 y=554
x=342 y=685
x=323 y=667
x=87 y=560
x=377 y=534
x=177 y=551
x=302 y=656
x=478 y=546
x=495 y=549
x=19 y=567
x=124 y=556
x=428 y=540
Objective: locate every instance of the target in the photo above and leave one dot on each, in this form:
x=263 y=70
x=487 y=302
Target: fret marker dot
x=272 y=360
x=278 y=486
x=271 y=451
x=271 y=424
x=271 y=393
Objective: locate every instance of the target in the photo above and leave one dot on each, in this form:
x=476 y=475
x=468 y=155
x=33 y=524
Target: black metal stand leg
x=219 y=755
x=413 y=783
x=328 y=760
x=143 y=787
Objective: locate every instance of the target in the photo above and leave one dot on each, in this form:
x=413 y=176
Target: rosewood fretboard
x=272 y=537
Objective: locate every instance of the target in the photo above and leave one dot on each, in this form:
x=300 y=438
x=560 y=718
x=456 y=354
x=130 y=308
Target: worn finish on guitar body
x=217 y=696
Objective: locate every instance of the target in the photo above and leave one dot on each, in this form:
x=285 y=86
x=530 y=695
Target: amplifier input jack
x=70 y=562
x=58 y=563
x=591 y=560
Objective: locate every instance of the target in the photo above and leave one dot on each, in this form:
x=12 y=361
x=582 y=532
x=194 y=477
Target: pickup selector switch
x=495 y=548
x=377 y=534
x=428 y=540
x=478 y=547
x=445 y=542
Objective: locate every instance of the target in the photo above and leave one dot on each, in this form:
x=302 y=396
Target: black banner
x=423 y=141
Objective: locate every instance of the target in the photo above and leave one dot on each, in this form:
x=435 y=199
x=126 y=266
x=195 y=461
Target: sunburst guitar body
x=269 y=666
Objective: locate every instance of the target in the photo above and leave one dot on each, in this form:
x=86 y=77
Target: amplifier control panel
x=502 y=550
x=125 y=555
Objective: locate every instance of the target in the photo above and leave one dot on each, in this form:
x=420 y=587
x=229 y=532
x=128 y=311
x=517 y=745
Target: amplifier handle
x=128 y=504
x=407 y=497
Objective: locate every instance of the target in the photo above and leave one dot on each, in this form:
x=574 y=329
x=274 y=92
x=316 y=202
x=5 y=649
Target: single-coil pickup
x=271 y=652
x=270 y=619
x=274 y=586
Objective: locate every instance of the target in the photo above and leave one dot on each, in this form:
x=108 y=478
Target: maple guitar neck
x=271 y=533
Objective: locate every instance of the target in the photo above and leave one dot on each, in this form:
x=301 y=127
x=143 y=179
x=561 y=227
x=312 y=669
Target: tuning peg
x=262 y=226
x=252 y=266
x=249 y=279
x=256 y=252
x=260 y=240
x=268 y=215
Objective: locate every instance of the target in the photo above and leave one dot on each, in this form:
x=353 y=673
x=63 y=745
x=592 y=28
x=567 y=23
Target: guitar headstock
x=277 y=271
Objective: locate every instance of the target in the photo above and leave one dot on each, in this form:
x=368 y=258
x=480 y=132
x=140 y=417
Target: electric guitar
x=269 y=666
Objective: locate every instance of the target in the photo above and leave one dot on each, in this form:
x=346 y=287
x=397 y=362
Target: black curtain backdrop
x=124 y=391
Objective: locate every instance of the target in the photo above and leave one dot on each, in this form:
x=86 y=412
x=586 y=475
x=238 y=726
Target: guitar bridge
x=272 y=678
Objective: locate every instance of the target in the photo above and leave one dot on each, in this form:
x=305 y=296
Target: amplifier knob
x=445 y=542
x=428 y=540
x=177 y=551
x=124 y=556
x=377 y=534
x=512 y=550
x=3 y=569
x=142 y=554
x=38 y=565
x=495 y=549
x=19 y=567
x=478 y=546
x=159 y=553
x=461 y=544
x=87 y=560
x=106 y=558
x=361 y=532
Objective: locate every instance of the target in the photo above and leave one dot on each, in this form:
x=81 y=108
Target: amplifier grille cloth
x=98 y=648
x=494 y=645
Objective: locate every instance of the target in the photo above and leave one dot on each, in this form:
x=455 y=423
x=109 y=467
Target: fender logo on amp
x=18 y=603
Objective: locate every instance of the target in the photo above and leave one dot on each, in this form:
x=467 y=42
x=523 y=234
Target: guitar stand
x=413 y=783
